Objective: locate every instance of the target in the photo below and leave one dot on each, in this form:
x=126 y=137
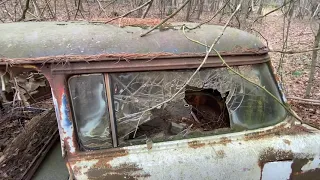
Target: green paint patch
x=297 y=73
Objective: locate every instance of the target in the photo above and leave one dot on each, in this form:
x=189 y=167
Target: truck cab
x=131 y=107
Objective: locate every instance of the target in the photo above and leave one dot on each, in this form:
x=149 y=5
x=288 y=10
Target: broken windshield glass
x=214 y=99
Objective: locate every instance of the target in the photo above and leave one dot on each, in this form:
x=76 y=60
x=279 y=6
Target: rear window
x=215 y=101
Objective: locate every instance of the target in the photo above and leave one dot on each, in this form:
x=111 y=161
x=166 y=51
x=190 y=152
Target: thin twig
x=195 y=72
x=106 y=6
x=101 y=7
x=67 y=9
x=285 y=41
x=306 y=100
x=166 y=19
x=261 y=36
x=3 y=2
x=23 y=16
x=294 y=52
x=316 y=11
x=271 y=12
x=252 y=82
x=147 y=10
x=197 y=26
x=78 y=8
x=126 y=14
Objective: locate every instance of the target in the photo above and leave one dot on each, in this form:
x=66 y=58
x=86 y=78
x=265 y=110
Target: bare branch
x=196 y=71
x=313 y=63
x=215 y=14
x=262 y=37
x=67 y=9
x=4 y=2
x=78 y=9
x=316 y=11
x=294 y=52
x=147 y=10
x=166 y=19
x=101 y=7
x=305 y=101
x=259 y=17
x=126 y=14
x=106 y=6
x=23 y=16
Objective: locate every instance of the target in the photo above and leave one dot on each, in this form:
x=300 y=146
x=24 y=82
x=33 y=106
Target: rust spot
x=107 y=155
x=271 y=154
x=242 y=49
x=123 y=171
x=277 y=131
x=66 y=59
x=264 y=134
x=104 y=161
x=196 y=144
x=224 y=141
x=221 y=154
x=287 y=141
x=102 y=168
x=122 y=22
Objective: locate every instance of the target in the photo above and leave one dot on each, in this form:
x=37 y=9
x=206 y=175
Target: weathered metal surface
x=229 y=156
x=77 y=41
x=60 y=97
x=123 y=65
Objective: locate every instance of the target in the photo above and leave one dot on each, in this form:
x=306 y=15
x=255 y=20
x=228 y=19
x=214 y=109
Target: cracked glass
x=215 y=101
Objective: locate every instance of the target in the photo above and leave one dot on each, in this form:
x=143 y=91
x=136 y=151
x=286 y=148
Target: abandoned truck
x=127 y=107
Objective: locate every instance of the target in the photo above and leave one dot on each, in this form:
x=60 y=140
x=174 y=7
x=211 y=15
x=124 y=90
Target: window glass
x=215 y=100
x=88 y=96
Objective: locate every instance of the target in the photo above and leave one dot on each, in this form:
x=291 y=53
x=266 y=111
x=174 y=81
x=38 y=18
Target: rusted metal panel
x=230 y=156
x=85 y=39
x=122 y=65
x=60 y=97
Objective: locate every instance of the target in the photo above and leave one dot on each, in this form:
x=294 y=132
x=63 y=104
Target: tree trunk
x=313 y=63
x=139 y=12
x=260 y=7
x=147 y=10
x=188 y=11
x=212 y=6
x=67 y=9
x=200 y=5
x=244 y=13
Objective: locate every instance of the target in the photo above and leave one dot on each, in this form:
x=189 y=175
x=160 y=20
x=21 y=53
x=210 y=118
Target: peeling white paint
x=280 y=170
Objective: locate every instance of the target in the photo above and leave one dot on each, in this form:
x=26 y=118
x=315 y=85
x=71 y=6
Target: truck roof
x=34 y=42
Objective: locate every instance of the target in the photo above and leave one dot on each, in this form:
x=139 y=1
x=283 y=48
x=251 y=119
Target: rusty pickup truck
x=131 y=107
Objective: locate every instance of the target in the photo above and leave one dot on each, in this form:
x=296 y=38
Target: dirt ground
x=296 y=67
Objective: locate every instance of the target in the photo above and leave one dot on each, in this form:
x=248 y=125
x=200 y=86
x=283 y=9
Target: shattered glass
x=248 y=106
x=215 y=99
x=136 y=92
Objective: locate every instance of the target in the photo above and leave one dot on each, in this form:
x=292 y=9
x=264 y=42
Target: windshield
x=214 y=100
